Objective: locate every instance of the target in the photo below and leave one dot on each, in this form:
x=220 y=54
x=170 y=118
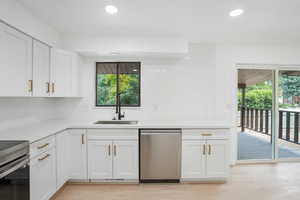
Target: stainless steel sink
x=115 y=122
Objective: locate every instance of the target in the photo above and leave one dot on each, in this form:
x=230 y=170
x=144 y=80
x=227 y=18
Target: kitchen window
x=114 y=78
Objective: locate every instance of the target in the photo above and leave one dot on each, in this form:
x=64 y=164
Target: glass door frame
x=275 y=110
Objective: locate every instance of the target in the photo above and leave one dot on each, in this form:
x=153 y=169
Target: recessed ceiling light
x=111 y=9
x=236 y=12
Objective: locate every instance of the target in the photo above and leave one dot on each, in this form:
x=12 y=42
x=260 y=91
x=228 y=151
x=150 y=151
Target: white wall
x=171 y=90
x=16 y=15
x=19 y=111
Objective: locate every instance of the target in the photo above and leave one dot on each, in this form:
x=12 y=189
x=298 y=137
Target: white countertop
x=40 y=130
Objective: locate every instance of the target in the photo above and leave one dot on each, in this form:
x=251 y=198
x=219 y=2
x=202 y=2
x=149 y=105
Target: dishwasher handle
x=161 y=132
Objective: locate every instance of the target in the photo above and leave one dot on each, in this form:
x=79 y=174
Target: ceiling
x=267 y=21
x=253 y=76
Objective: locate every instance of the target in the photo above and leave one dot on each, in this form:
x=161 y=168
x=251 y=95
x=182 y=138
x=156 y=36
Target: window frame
x=118 y=63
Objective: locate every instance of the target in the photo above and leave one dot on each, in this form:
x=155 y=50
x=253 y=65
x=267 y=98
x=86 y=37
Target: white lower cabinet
x=62 y=158
x=43 y=175
x=113 y=159
x=125 y=162
x=100 y=160
x=216 y=159
x=204 y=159
x=77 y=154
x=193 y=159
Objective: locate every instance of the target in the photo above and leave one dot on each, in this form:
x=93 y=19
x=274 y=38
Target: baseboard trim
x=105 y=181
x=204 y=180
x=58 y=191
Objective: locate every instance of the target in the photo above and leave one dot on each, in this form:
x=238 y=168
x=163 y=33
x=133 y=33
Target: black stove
x=11 y=150
x=14 y=170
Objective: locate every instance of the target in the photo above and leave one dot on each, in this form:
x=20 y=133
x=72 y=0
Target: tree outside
x=107 y=89
x=259 y=96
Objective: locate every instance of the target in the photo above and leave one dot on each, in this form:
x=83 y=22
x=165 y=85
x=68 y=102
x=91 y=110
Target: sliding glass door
x=255 y=104
x=268 y=114
x=288 y=114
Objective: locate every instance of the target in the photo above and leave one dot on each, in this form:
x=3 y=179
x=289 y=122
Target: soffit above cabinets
x=128 y=48
x=133 y=55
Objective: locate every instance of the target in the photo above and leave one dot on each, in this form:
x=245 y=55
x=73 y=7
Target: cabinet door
x=61 y=73
x=125 y=162
x=62 y=158
x=193 y=159
x=15 y=62
x=100 y=159
x=217 y=165
x=43 y=176
x=77 y=155
x=41 y=69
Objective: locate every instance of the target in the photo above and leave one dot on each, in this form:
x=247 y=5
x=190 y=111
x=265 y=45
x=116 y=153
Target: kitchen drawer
x=41 y=146
x=113 y=134
x=203 y=134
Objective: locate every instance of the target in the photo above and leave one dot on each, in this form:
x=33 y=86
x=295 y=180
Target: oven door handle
x=13 y=167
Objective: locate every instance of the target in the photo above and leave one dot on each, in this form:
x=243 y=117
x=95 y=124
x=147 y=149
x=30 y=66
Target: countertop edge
x=32 y=132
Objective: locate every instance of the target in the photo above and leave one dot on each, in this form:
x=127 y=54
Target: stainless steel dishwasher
x=160 y=155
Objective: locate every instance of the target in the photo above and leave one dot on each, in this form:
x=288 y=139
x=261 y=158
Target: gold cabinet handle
x=209 y=149
x=43 y=146
x=43 y=158
x=109 y=150
x=82 y=138
x=30 y=85
x=206 y=134
x=204 y=149
x=48 y=87
x=115 y=150
x=53 y=87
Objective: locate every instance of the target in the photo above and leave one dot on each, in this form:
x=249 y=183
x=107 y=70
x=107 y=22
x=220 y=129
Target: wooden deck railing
x=259 y=120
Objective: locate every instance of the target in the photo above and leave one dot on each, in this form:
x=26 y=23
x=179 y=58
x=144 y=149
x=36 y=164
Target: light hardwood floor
x=247 y=182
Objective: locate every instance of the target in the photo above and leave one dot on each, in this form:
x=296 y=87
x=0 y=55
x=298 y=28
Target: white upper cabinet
x=41 y=69
x=31 y=68
x=63 y=76
x=217 y=159
x=15 y=62
x=125 y=159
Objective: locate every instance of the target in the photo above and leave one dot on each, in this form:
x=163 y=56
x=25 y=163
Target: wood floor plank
x=247 y=182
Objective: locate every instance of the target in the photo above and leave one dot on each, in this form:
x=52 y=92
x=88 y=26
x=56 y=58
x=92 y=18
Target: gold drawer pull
x=53 y=87
x=109 y=150
x=115 y=150
x=206 y=134
x=43 y=158
x=204 y=149
x=43 y=146
x=209 y=149
x=82 y=139
x=48 y=87
x=30 y=85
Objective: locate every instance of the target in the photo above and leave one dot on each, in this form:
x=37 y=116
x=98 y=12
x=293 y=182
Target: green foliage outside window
x=258 y=96
x=129 y=87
